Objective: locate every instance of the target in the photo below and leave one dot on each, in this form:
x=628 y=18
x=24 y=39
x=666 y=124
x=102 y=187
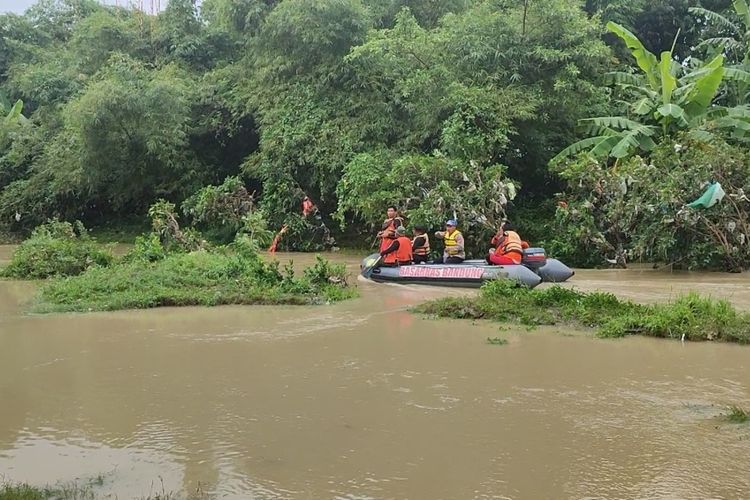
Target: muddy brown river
x=364 y=400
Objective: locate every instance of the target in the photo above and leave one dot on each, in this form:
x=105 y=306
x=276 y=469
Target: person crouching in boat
x=454 y=243
x=420 y=245
x=508 y=247
x=387 y=233
x=398 y=252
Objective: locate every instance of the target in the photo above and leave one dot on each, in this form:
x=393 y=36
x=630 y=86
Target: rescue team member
x=308 y=207
x=420 y=245
x=387 y=233
x=454 y=243
x=398 y=252
x=508 y=246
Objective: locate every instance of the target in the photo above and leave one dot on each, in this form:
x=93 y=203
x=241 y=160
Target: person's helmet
x=451 y=222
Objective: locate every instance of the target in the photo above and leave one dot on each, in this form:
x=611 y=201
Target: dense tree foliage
x=441 y=107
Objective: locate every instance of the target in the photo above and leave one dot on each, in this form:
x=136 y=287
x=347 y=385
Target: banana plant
x=735 y=42
x=668 y=98
x=10 y=121
x=735 y=37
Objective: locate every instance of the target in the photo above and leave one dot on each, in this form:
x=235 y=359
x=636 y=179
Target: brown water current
x=365 y=400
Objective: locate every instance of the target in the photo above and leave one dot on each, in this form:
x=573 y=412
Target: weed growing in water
x=691 y=315
x=183 y=279
x=737 y=415
x=56 y=249
x=76 y=491
x=496 y=341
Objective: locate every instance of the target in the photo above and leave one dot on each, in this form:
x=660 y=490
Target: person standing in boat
x=420 y=245
x=399 y=251
x=507 y=247
x=387 y=232
x=454 y=243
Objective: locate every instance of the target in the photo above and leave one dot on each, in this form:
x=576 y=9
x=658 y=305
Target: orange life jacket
x=424 y=250
x=510 y=243
x=402 y=255
x=307 y=207
x=389 y=233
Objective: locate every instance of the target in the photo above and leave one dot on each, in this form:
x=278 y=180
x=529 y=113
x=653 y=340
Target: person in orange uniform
x=398 y=252
x=420 y=245
x=508 y=247
x=308 y=207
x=387 y=233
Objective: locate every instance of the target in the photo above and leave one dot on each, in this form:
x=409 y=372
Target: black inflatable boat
x=535 y=268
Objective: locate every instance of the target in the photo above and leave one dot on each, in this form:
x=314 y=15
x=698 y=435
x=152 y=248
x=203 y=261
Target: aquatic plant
x=737 y=415
x=690 y=316
x=81 y=491
x=56 y=249
x=496 y=341
x=205 y=278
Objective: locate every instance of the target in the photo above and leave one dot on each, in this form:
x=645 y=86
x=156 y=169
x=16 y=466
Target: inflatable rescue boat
x=534 y=269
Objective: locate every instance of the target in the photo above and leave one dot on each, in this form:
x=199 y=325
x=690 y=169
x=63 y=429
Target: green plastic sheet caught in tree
x=713 y=195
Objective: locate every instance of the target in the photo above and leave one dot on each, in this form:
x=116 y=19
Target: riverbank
x=688 y=317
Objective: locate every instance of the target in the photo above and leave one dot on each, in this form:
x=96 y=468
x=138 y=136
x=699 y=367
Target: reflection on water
x=365 y=400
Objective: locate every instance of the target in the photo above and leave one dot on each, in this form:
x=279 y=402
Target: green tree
x=130 y=128
x=427 y=189
x=667 y=99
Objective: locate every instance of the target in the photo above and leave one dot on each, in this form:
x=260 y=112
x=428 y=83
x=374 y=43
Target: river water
x=364 y=400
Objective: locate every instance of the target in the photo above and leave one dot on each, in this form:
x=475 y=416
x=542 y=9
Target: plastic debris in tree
x=713 y=195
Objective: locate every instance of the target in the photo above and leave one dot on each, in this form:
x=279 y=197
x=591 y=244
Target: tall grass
x=198 y=278
x=690 y=316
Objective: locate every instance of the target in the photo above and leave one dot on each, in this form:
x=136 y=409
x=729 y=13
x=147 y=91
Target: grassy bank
x=689 y=316
x=198 y=278
x=75 y=491
x=27 y=492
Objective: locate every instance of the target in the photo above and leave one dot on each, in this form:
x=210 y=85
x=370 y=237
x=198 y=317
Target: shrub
x=220 y=209
x=204 y=278
x=56 y=249
x=690 y=316
x=636 y=209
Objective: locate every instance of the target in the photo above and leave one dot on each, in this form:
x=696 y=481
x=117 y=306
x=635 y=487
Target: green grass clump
x=56 y=249
x=81 y=491
x=205 y=278
x=496 y=341
x=27 y=492
x=737 y=415
x=690 y=316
